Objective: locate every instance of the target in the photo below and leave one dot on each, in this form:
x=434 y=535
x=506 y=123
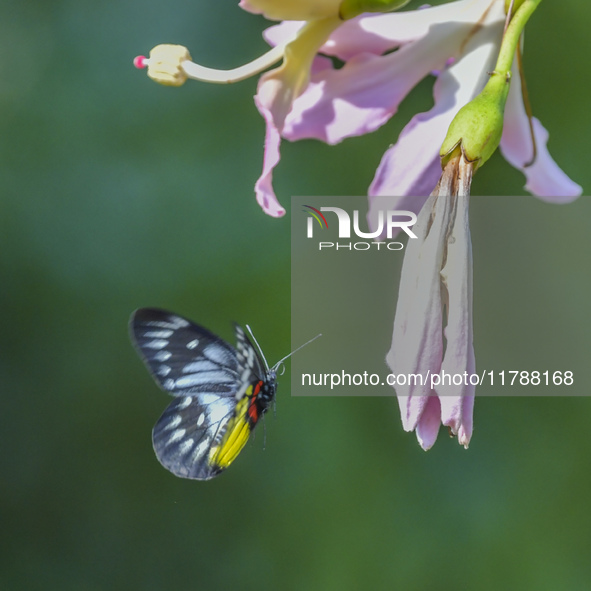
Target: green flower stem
x=477 y=128
x=512 y=35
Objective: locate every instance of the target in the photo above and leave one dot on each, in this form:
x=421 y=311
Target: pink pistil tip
x=140 y=61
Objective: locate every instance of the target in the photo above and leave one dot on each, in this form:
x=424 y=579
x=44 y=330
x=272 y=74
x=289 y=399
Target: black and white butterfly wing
x=201 y=371
x=183 y=357
x=187 y=432
x=216 y=388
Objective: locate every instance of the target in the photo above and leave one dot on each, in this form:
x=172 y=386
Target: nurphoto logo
x=388 y=222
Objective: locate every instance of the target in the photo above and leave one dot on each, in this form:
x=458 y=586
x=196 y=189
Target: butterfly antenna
x=295 y=351
x=258 y=347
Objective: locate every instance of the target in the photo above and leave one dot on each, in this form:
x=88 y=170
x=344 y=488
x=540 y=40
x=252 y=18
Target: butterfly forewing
x=182 y=356
x=221 y=391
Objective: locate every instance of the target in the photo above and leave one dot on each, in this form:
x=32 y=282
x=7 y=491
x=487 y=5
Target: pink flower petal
x=378 y=33
x=265 y=194
x=544 y=177
x=457 y=400
x=417 y=341
x=361 y=96
x=412 y=166
x=411 y=410
x=429 y=423
x=465 y=430
x=276 y=92
x=459 y=359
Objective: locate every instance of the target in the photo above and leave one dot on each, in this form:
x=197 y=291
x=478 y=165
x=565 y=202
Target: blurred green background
x=118 y=193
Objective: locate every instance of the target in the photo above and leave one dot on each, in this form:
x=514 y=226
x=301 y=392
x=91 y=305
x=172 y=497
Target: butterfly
x=221 y=392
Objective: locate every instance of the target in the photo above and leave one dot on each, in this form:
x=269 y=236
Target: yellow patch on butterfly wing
x=235 y=437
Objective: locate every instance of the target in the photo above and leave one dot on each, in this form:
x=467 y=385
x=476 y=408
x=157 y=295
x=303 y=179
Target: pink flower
x=459 y=40
x=307 y=97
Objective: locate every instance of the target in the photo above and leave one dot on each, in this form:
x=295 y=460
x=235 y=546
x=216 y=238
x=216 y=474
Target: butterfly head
x=270 y=388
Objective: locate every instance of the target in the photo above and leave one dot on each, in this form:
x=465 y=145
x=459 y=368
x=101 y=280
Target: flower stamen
x=172 y=57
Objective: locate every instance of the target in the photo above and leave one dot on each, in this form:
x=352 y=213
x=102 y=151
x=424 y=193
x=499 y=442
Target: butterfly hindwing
x=187 y=433
x=221 y=392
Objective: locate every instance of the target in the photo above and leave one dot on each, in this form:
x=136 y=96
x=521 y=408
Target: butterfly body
x=221 y=392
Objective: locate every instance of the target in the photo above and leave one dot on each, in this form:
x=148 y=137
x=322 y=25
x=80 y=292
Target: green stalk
x=512 y=35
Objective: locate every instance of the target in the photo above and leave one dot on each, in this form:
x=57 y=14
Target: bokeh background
x=117 y=193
